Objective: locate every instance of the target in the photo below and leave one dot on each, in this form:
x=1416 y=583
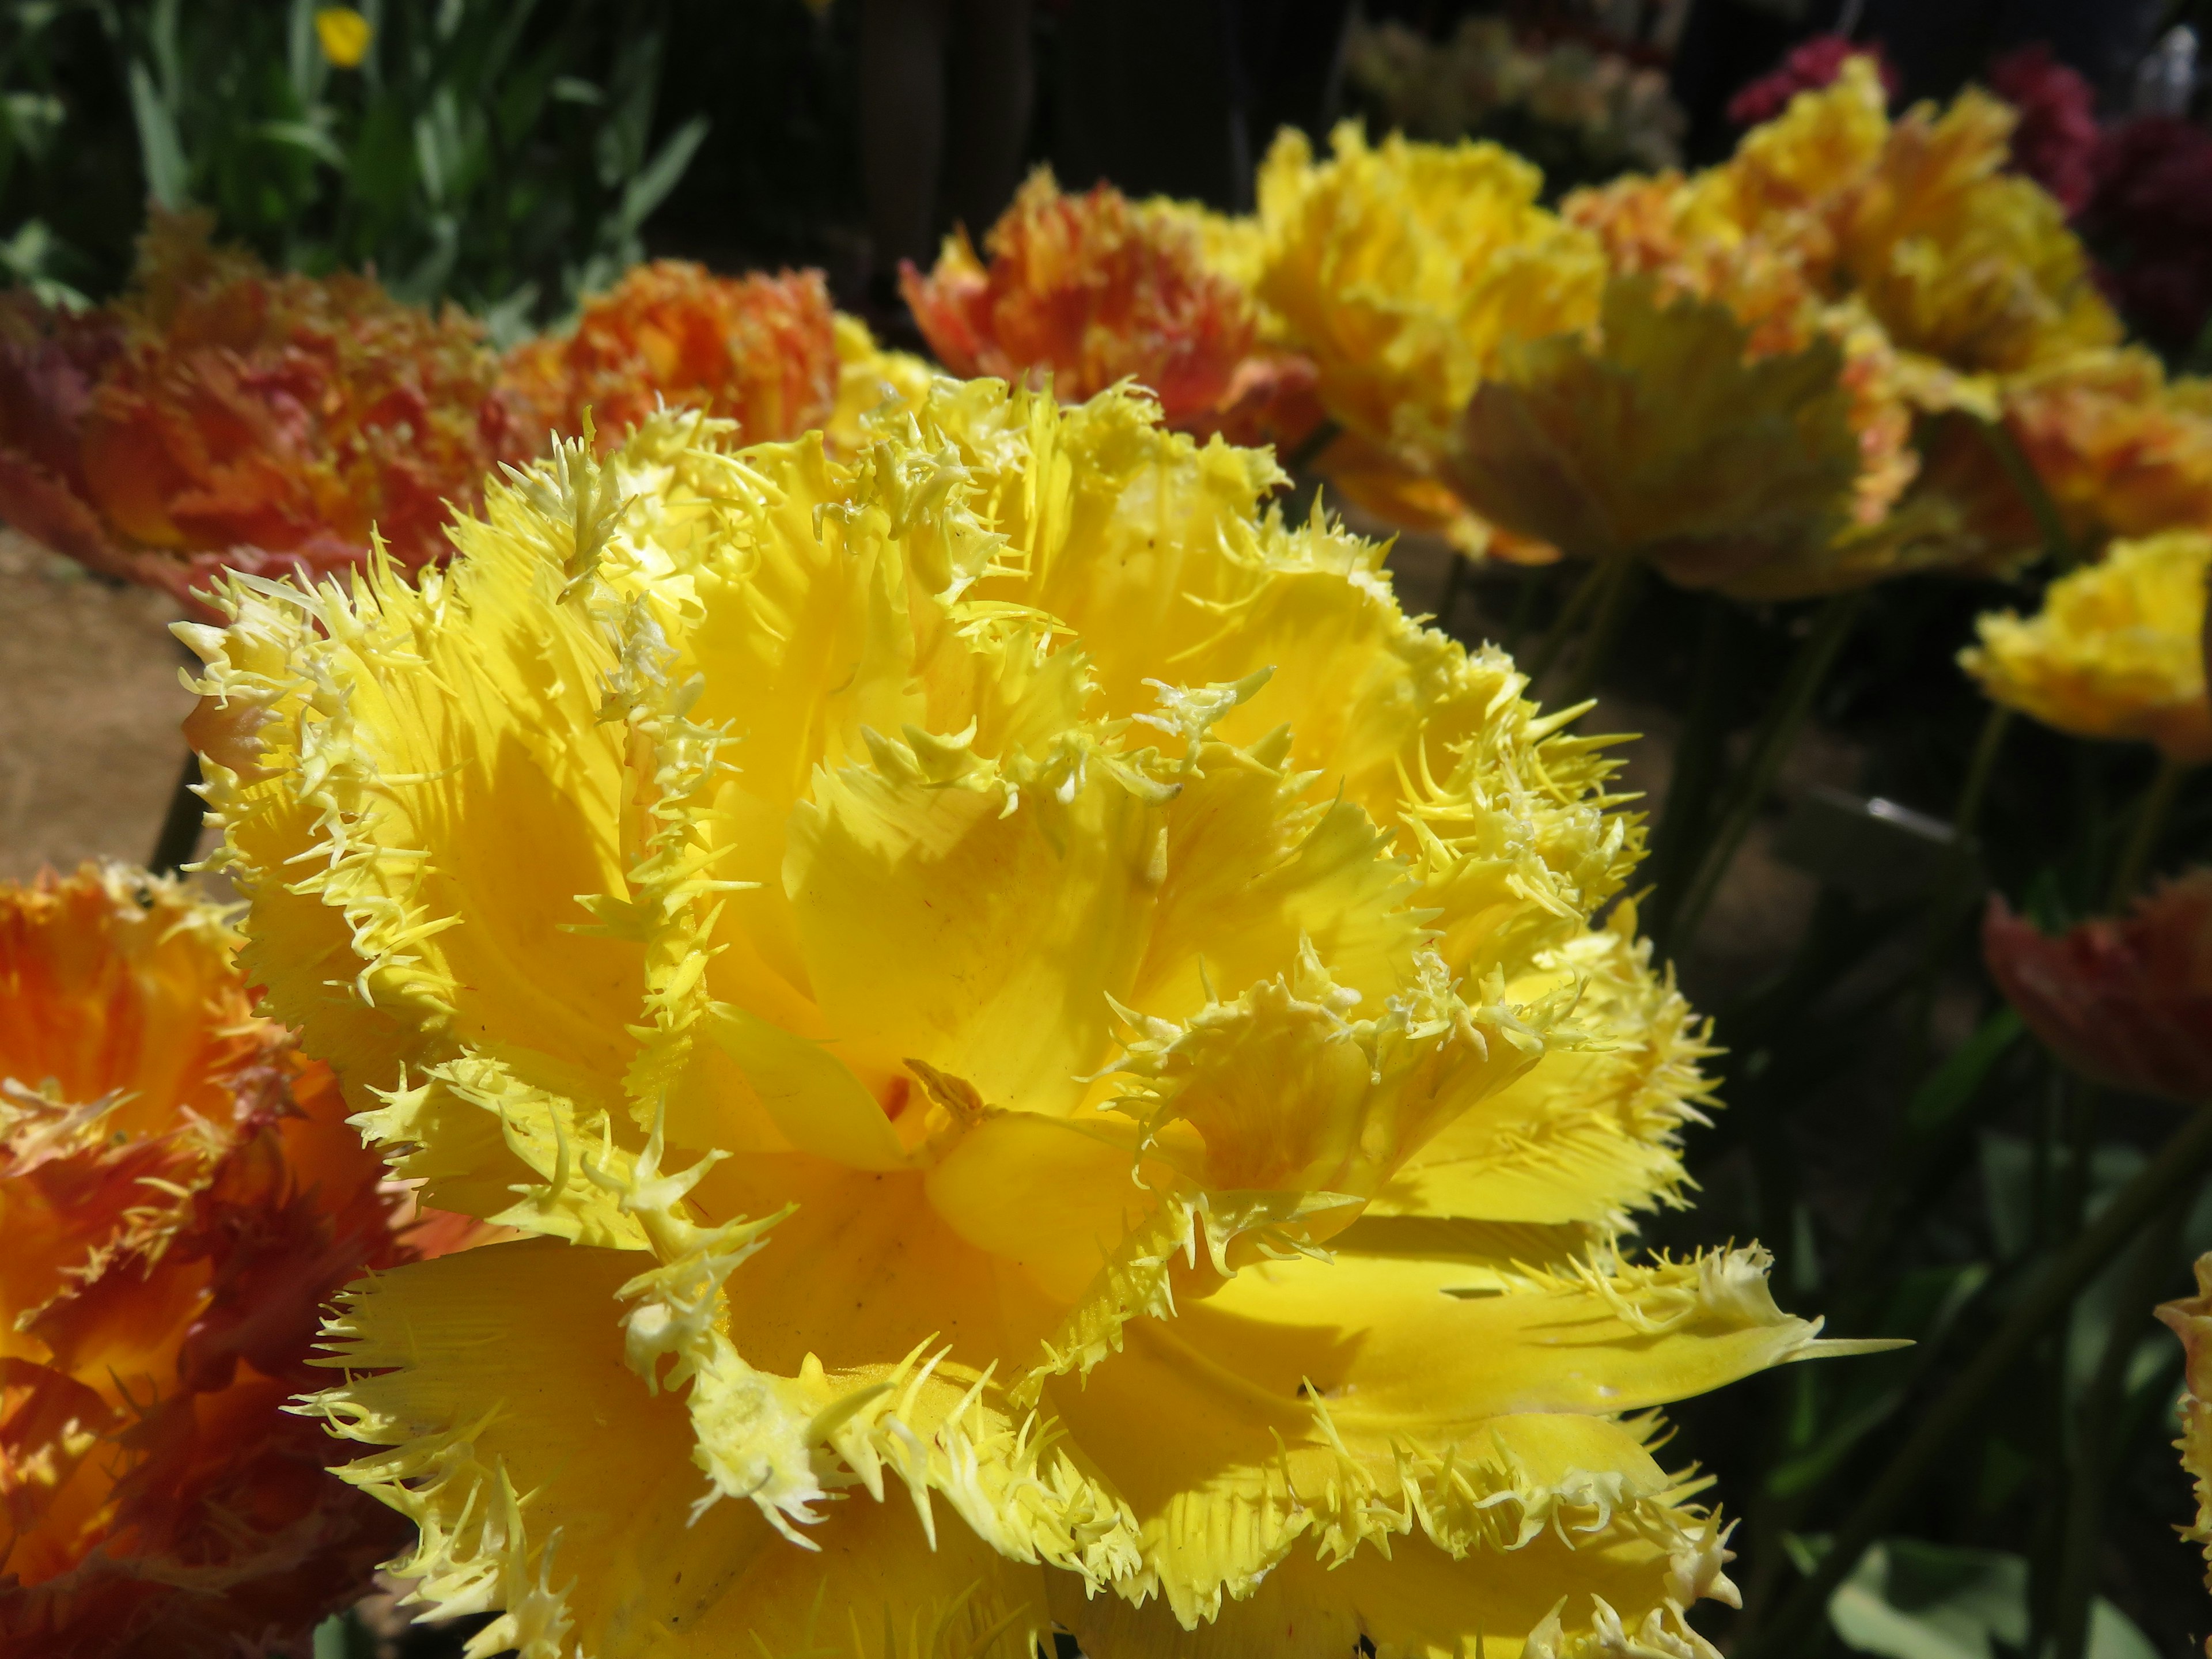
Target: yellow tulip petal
x=548 y=1479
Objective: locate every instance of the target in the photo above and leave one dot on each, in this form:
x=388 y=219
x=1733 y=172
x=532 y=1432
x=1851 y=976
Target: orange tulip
x=760 y=351
x=222 y=415
x=180 y=1195
x=1094 y=289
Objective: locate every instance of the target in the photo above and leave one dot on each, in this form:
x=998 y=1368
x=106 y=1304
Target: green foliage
x=1910 y=1599
x=501 y=153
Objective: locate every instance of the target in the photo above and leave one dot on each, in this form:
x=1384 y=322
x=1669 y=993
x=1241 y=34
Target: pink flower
x=2152 y=211
x=2125 y=1000
x=1810 y=65
x=2056 y=142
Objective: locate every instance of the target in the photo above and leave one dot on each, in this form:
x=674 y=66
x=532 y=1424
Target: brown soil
x=89 y=707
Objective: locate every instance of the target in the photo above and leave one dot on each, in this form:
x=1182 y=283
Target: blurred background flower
x=2116 y=651
x=220 y=414
x=758 y=350
x=1093 y=288
x=2126 y=1002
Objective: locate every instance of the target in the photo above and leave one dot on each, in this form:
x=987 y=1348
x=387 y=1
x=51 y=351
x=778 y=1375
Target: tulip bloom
x=1089 y=289
x=223 y=417
x=759 y=350
x=2117 y=651
x=180 y=1195
x=2125 y=1001
x=1045 y=1042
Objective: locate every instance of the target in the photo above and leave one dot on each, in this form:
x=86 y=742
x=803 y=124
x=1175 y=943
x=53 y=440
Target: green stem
x=2166 y=1178
x=180 y=836
x=1578 y=606
x=2029 y=484
x=1525 y=607
x=1697 y=768
x=2093 y=1440
x=1447 y=601
x=2157 y=805
x=1956 y=888
x=1614 y=606
x=1310 y=447
x=1792 y=704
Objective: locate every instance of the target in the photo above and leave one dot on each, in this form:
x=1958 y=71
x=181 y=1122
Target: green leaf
x=307 y=66
x=1910 y=1599
x=303 y=136
x=167 y=174
x=1951 y=1086
x=651 y=186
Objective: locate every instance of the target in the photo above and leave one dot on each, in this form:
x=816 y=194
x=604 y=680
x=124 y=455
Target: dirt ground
x=89 y=707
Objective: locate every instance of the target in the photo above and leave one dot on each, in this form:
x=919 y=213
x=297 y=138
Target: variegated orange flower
x=179 y=1195
x=2125 y=1000
x=1670 y=229
x=2122 y=450
x=221 y=415
x=1095 y=288
x=759 y=350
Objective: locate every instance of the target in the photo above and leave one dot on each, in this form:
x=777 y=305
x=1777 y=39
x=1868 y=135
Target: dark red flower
x=2151 y=216
x=2124 y=1001
x=2056 y=142
x=1811 y=65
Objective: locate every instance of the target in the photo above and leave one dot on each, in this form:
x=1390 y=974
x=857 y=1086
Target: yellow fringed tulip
x=869 y=377
x=2191 y=1319
x=2117 y=651
x=1403 y=268
x=1031 y=1017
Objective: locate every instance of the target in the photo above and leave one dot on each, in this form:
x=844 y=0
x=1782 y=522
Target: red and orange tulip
x=180 y=1195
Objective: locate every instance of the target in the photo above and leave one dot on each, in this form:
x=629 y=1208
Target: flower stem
x=179 y=836
x=1697 y=768
x=1570 y=618
x=1525 y=607
x=1613 y=606
x=1447 y=602
x=1311 y=446
x=1792 y=704
x=1955 y=887
x=2165 y=1179
x=2151 y=814
x=2029 y=484
x=2096 y=1417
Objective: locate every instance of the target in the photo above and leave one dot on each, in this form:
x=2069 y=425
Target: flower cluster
x=219 y=415
x=1092 y=289
x=2150 y=216
x=1580 y=110
x=180 y=1194
x=1046 y=1044
x=2056 y=141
